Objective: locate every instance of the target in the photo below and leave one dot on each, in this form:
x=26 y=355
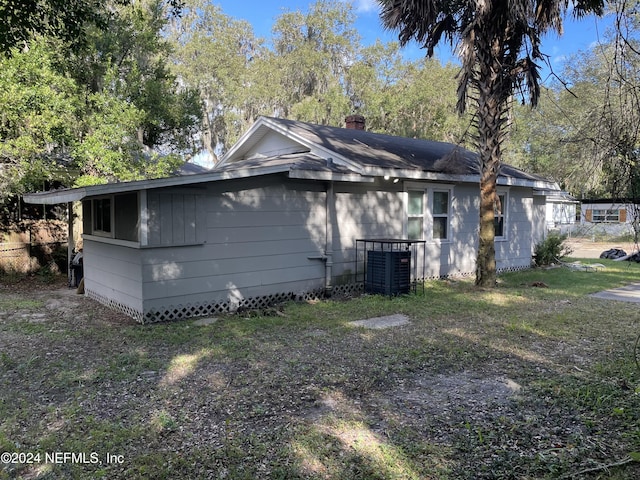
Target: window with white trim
x=415 y=210
x=440 y=214
x=500 y=216
x=429 y=214
x=606 y=216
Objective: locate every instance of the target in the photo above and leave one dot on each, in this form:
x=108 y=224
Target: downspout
x=330 y=209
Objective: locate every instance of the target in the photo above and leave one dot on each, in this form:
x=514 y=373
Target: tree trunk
x=486 y=260
x=492 y=98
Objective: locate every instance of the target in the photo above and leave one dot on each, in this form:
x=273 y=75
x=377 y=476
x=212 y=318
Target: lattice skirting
x=117 y=306
x=203 y=309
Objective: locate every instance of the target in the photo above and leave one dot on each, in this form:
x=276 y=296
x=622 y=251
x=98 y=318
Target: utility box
x=388 y=272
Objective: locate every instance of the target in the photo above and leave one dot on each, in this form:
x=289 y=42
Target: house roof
x=306 y=150
x=191 y=169
x=378 y=154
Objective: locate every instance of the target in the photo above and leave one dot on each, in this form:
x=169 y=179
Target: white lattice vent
x=348 y=290
x=117 y=306
x=514 y=269
x=179 y=312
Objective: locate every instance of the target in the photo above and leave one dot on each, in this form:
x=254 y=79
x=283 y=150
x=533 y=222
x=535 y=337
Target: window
x=440 y=213
x=102 y=216
x=499 y=209
x=606 y=216
x=428 y=213
x=415 y=223
x=115 y=216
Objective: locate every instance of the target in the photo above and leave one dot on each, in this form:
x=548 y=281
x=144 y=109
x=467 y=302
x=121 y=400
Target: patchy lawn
x=519 y=382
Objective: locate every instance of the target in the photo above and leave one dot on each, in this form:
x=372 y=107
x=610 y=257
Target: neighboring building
x=280 y=215
x=608 y=211
x=562 y=210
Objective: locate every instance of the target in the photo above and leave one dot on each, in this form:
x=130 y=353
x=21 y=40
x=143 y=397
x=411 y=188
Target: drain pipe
x=327 y=256
x=330 y=209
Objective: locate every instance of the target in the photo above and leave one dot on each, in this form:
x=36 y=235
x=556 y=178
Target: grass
x=520 y=381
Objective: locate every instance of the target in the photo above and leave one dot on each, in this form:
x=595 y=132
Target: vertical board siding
x=175 y=218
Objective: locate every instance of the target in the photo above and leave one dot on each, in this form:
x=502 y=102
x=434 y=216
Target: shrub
x=551 y=249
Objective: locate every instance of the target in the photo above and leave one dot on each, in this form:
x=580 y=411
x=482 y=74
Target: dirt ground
x=584 y=248
x=476 y=384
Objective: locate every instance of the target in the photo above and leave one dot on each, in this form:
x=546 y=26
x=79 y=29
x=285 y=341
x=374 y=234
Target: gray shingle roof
x=376 y=150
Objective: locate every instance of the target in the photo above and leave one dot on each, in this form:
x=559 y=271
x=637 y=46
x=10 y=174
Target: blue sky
x=261 y=14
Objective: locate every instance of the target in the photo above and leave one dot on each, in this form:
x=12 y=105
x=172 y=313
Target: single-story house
x=280 y=215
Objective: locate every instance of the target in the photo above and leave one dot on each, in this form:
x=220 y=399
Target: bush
x=551 y=250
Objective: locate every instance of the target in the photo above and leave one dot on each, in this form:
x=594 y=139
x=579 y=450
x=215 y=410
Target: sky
x=261 y=14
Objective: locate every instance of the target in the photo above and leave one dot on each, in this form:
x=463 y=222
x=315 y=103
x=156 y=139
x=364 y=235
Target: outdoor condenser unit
x=388 y=272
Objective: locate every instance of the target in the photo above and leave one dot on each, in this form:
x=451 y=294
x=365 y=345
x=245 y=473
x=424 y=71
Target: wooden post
x=70 y=240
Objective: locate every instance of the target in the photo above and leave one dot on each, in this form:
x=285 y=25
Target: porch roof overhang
x=68 y=195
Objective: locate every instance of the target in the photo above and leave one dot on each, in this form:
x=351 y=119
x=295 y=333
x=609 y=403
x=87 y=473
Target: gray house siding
x=175 y=218
x=539 y=223
x=235 y=241
x=362 y=211
x=514 y=250
x=365 y=213
x=113 y=276
x=262 y=237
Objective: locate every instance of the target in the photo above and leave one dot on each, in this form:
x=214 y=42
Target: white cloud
x=365 y=6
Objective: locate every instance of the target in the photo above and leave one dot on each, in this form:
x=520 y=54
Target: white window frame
x=606 y=215
x=427 y=210
x=411 y=216
x=447 y=215
x=110 y=237
x=504 y=214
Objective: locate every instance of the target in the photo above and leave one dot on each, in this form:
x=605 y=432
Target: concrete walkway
x=382 y=322
x=628 y=293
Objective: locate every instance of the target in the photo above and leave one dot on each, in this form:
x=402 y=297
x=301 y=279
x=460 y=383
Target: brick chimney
x=355 y=122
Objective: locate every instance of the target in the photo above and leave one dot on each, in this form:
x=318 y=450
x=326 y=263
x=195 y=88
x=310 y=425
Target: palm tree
x=498 y=42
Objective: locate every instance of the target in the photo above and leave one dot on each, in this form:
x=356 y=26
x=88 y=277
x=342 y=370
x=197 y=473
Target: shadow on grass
x=304 y=395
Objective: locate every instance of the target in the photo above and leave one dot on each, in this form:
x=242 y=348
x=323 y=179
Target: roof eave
x=55 y=197
x=460 y=178
x=76 y=194
x=330 y=176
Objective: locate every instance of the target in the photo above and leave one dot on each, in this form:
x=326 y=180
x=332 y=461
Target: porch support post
x=70 y=240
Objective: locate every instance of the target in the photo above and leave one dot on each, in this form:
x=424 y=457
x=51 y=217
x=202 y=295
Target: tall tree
x=312 y=52
x=213 y=54
x=40 y=108
x=559 y=138
x=498 y=42
x=66 y=20
x=407 y=98
x=130 y=61
x=107 y=110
